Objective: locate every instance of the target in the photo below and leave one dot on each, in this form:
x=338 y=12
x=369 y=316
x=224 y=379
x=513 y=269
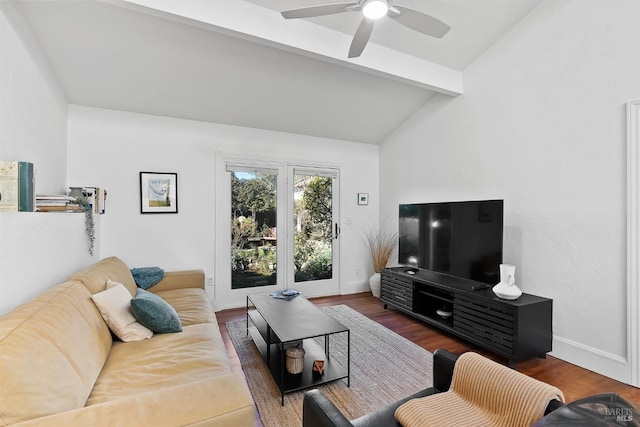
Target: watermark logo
x=624 y=415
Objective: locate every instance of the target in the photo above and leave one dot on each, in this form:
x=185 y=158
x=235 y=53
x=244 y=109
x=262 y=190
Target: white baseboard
x=607 y=364
x=354 y=287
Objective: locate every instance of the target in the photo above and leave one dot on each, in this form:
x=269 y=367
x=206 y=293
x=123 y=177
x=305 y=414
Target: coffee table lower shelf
x=288 y=383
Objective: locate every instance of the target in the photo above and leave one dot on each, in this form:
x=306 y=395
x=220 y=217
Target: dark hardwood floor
x=575 y=382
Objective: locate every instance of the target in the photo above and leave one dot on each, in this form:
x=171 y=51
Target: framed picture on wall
x=158 y=192
x=363 y=198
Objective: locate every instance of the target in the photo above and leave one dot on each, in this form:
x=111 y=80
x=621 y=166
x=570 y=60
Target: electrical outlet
x=357 y=272
x=209 y=281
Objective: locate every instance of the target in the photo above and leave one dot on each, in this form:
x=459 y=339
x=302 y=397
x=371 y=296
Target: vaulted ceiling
x=238 y=62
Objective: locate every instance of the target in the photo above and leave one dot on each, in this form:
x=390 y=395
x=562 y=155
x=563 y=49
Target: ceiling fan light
x=374 y=9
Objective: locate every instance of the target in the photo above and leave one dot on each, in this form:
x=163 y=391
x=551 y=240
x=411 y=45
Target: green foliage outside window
x=253 y=250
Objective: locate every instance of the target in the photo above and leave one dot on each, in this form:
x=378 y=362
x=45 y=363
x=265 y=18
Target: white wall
x=109 y=148
x=37 y=250
x=542 y=125
x=33 y=110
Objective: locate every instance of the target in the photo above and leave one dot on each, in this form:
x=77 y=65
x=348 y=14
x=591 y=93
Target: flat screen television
x=461 y=239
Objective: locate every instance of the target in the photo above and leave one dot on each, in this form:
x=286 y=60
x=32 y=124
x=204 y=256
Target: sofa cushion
x=162 y=361
x=52 y=350
x=192 y=304
x=114 y=305
x=179 y=280
x=95 y=276
x=155 y=313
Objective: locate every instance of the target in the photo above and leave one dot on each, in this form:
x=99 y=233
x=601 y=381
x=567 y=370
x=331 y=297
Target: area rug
x=385 y=367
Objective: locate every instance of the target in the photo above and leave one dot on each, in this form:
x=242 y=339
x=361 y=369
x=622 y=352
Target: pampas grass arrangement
x=381 y=244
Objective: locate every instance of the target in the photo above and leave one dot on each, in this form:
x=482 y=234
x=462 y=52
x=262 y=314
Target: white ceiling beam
x=261 y=25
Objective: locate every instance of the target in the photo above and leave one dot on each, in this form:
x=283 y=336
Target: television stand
x=518 y=329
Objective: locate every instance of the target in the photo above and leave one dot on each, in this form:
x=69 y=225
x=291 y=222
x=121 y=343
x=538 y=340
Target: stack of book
x=56 y=203
x=16 y=186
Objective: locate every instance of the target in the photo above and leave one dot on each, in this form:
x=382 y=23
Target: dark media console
x=517 y=330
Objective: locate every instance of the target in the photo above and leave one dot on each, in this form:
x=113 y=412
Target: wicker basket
x=295 y=360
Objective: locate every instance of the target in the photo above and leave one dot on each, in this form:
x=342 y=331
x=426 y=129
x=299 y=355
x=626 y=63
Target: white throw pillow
x=114 y=305
x=111 y=284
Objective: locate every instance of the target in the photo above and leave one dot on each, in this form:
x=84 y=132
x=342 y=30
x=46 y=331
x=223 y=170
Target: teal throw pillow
x=155 y=313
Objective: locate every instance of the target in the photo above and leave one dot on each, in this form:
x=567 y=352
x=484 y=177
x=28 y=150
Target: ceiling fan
x=372 y=10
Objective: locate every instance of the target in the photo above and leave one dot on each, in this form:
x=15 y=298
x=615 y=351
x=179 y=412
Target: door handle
x=337 y=233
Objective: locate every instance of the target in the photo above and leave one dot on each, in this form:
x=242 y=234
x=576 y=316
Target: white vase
x=374 y=284
x=507 y=288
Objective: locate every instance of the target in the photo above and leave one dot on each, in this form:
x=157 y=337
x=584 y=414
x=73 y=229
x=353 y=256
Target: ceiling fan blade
x=321 y=10
x=361 y=37
x=420 y=22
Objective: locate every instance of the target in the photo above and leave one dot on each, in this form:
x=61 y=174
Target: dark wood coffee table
x=275 y=324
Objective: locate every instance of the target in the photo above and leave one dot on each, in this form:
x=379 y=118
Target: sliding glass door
x=277 y=229
x=315 y=231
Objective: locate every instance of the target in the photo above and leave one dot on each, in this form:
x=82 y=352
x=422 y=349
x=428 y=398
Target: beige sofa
x=60 y=366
